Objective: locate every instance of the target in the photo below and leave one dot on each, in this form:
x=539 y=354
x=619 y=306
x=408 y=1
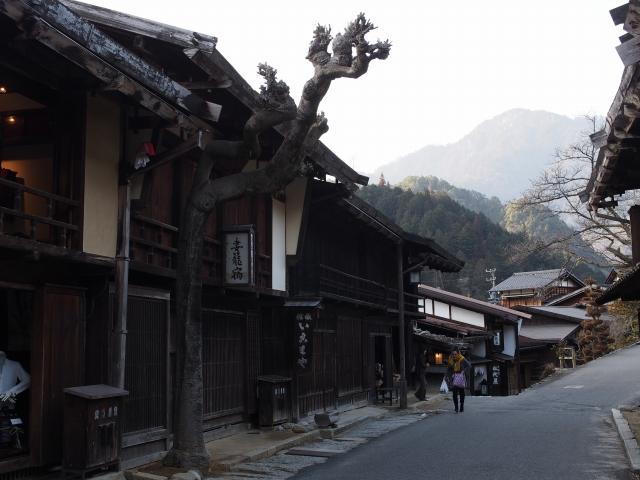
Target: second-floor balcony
x=326 y=281
x=154 y=243
x=34 y=214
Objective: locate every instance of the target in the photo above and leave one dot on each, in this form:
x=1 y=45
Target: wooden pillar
x=634 y=218
x=119 y=334
x=401 y=328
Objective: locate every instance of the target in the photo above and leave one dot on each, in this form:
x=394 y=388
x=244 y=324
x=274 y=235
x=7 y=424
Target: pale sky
x=452 y=64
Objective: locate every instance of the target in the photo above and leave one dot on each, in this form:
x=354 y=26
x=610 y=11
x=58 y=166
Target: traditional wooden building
x=351 y=275
x=576 y=297
x=546 y=328
x=617 y=168
x=101 y=119
x=491 y=331
x=535 y=288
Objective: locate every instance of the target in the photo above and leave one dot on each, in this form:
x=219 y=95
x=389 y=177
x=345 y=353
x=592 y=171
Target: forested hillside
x=469 y=235
x=535 y=222
x=470 y=199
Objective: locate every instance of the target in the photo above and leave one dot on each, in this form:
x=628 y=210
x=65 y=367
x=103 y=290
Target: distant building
x=536 y=287
x=547 y=327
x=487 y=333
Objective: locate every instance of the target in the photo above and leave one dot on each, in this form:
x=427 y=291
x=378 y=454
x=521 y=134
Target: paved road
x=560 y=429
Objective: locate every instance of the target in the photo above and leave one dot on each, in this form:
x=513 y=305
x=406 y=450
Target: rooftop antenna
x=491 y=278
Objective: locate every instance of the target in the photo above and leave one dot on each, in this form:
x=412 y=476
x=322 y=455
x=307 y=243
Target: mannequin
x=13 y=378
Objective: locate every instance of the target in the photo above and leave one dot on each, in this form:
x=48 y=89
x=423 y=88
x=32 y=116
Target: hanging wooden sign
x=239 y=255
x=304 y=340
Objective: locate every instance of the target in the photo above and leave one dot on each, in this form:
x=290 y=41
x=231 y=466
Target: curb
x=331 y=433
x=626 y=435
x=260 y=453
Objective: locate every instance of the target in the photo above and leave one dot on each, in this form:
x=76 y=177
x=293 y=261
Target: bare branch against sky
x=455 y=64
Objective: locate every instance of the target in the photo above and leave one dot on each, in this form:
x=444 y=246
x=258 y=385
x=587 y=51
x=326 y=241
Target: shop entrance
x=16 y=323
x=42 y=334
x=382 y=355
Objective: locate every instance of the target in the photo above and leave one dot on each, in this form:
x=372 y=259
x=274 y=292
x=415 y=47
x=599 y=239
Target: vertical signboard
x=304 y=340
x=239 y=255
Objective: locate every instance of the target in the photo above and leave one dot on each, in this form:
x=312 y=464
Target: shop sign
x=239 y=255
x=304 y=340
x=495 y=374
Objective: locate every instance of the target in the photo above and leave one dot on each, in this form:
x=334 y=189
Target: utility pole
x=491 y=278
x=401 y=327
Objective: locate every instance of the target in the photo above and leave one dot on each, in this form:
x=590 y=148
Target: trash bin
x=92 y=428
x=274 y=400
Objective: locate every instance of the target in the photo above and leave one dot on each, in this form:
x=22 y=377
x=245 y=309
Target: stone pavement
x=275 y=454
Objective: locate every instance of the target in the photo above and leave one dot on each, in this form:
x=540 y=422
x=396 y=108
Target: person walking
x=457 y=369
x=421 y=370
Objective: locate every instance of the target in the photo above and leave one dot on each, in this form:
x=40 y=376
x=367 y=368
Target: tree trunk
x=188 y=443
x=286 y=163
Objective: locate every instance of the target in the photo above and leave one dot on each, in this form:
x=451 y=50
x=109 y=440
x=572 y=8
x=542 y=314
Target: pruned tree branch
x=287 y=163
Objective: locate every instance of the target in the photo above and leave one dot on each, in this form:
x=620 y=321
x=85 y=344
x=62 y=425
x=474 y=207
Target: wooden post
x=401 y=328
x=634 y=219
x=119 y=336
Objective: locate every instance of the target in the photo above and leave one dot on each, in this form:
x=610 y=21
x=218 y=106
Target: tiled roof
x=571 y=314
x=536 y=279
x=568 y=296
x=627 y=287
x=548 y=332
x=470 y=303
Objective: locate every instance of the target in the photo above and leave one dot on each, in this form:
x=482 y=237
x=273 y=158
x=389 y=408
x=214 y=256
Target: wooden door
x=57 y=363
x=223 y=363
x=146 y=408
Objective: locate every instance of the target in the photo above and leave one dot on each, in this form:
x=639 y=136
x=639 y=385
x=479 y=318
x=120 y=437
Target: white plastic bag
x=444 y=388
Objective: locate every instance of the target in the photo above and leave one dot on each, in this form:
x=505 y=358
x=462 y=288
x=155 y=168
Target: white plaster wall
x=428 y=306
x=467 y=316
x=102 y=154
x=278 y=245
x=295 y=193
x=441 y=309
x=509 y=340
x=479 y=349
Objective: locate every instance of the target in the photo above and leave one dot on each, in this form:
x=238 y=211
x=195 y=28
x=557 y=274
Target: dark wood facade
x=66 y=205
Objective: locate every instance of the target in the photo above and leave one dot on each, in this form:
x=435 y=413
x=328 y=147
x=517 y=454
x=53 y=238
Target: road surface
x=560 y=429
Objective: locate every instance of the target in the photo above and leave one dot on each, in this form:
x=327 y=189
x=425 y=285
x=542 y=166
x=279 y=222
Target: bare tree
x=556 y=192
x=351 y=56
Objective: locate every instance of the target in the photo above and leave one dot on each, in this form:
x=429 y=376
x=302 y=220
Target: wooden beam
x=111 y=52
x=76 y=53
x=629 y=51
x=194 y=142
x=619 y=14
x=208 y=85
x=599 y=138
x=53 y=251
x=142 y=26
x=625 y=38
x=213 y=65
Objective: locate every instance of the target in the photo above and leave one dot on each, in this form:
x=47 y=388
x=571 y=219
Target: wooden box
x=274 y=400
x=92 y=427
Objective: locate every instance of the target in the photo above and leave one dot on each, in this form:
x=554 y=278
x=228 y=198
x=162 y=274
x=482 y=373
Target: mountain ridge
x=498 y=157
